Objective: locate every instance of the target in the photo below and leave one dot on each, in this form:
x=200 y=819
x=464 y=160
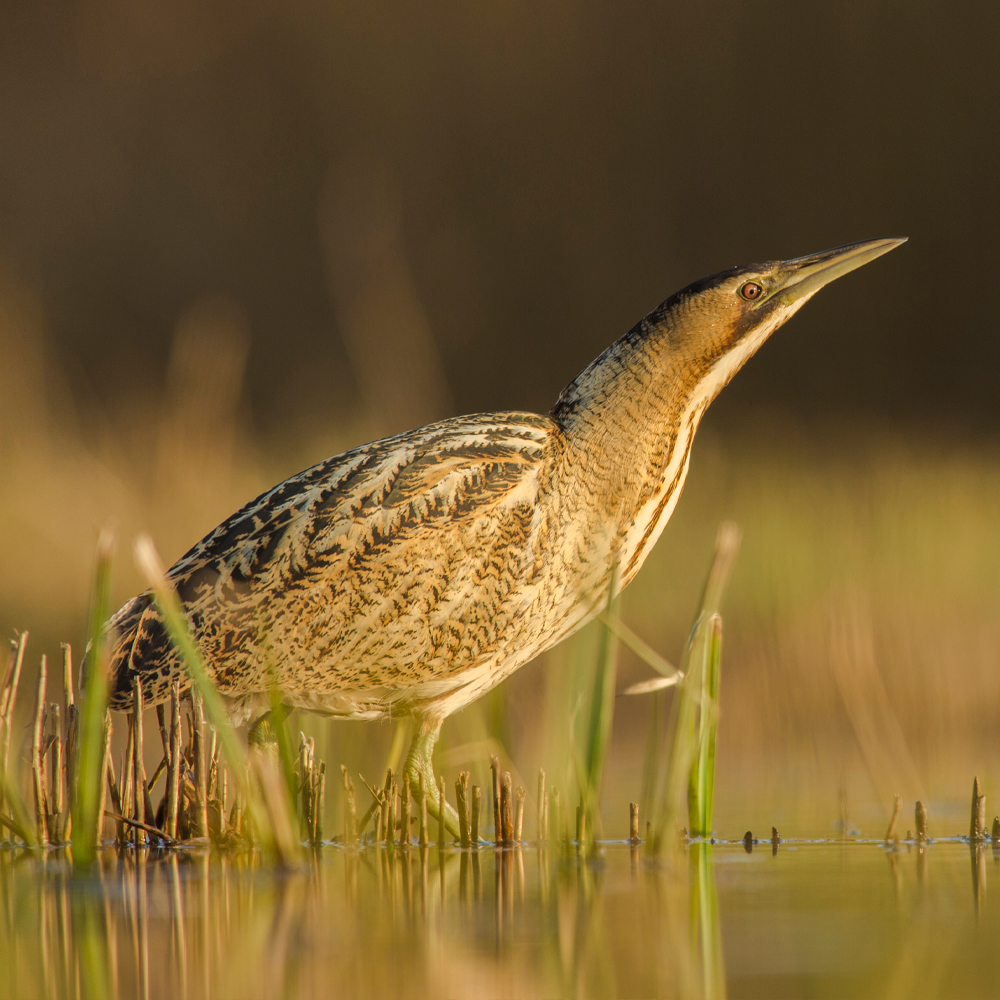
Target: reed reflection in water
x=828 y=918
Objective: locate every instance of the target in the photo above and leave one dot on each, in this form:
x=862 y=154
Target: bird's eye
x=751 y=290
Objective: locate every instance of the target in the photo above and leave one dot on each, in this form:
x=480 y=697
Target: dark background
x=551 y=173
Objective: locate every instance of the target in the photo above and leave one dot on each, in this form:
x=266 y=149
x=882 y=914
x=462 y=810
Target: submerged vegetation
x=279 y=798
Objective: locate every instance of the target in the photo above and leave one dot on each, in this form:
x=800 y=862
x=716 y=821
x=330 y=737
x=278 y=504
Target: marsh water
x=812 y=919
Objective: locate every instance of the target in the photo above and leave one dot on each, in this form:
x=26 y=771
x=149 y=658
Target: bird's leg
x=419 y=761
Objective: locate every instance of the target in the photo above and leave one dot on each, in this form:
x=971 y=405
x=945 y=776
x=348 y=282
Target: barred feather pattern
x=412 y=574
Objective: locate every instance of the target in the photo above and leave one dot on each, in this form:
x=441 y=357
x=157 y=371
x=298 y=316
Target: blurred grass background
x=234 y=241
x=862 y=627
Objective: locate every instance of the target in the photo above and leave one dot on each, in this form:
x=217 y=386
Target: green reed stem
x=94 y=697
x=270 y=814
x=694 y=717
x=701 y=781
x=602 y=709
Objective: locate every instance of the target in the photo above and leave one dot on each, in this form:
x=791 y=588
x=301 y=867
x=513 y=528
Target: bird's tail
x=140 y=647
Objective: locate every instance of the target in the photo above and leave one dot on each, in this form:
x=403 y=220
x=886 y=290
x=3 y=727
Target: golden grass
x=862 y=624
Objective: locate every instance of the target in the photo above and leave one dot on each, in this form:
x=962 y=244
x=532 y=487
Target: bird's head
x=714 y=325
x=699 y=338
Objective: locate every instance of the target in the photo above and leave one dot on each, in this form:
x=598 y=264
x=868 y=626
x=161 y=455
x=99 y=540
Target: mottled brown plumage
x=410 y=575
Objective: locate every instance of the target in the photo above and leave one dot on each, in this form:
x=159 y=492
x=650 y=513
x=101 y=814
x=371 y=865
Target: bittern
x=411 y=575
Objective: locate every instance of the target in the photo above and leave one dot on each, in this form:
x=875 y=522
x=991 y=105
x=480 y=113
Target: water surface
x=812 y=920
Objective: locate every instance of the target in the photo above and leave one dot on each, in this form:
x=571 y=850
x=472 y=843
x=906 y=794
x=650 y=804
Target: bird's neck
x=629 y=420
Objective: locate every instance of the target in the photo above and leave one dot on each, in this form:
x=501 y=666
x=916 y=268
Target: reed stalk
x=701 y=781
x=442 y=826
x=506 y=810
x=602 y=707
x=321 y=805
x=690 y=767
x=8 y=696
x=174 y=767
x=37 y=771
x=200 y=765
x=350 y=809
x=462 y=799
x=265 y=800
x=387 y=808
x=542 y=833
x=477 y=808
x=633 y=822
x=495 y=769
x=69 y=749
x=138 y=767
x=93 y=699
x=56 y=783
x=424 y=837
x=519 y=798
x=977 y=822
x=406 y=811
x=890 y=832
x=103 y=782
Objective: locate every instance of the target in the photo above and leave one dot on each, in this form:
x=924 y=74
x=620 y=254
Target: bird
x=411 y=575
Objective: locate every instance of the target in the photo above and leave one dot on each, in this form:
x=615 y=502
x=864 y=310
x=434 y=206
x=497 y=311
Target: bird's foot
x=419 y=764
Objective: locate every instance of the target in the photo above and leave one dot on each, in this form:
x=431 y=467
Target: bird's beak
x=803 y=276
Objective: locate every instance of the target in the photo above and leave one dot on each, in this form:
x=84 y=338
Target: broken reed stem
x=581 y=828
x=102 y=794
x=462 y=799
x=404 y=832
x=497 y=828
x=174 y=767
x=378 y=826
x=69 y=744
x=200 y=766
x=350 y=809
x=477 y=808
x=321 y=801
x=112 y=790
x=125 y=789
x=71 y=756
x=387 y=808
x=977 y=822
x=442 y=831
x=891 y=831
x=7 y=699
x=519 y=798
x=424 y=837
x=633 y=822
x=920 y=821
x=506 y=810
x=41 y=802
x=542 y=834
x=556 y=827
x=139 y=771
x=161 y=724
x=56 y=772
x=305 y=787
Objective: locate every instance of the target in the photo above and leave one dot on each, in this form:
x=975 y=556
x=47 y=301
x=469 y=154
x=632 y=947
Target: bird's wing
x=385 y=565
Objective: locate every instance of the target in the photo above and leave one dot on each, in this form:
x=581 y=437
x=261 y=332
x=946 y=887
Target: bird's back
x=380 y=576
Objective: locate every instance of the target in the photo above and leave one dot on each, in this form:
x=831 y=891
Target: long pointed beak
x=804 y=276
